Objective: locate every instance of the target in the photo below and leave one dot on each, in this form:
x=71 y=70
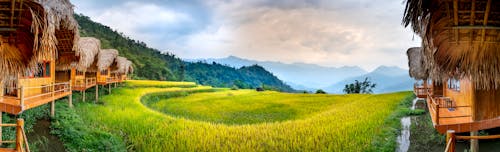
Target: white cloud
x=331 y=33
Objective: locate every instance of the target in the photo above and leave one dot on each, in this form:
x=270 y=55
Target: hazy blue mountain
x=300 y=76
x=388 y=79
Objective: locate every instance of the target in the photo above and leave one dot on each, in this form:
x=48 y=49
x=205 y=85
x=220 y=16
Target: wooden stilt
x=52 y=108
x=96 y=93
x=474 y=143
x=19 y=134
x=70 y=100
x=450 y=141
x=109 y=88
x=1 y=113
x=83 y=95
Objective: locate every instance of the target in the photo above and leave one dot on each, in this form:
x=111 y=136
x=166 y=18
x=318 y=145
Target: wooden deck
x=82 y=85
x=13 y=105
x=456 y=117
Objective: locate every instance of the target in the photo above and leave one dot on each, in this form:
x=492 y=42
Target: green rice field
x=181 y=116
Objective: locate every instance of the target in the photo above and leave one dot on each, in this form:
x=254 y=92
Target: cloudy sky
x=333 y=33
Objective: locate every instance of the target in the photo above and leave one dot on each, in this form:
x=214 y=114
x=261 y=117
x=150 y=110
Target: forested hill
x=151 y=64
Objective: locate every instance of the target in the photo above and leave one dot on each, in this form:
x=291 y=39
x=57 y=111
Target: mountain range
x=303 y=76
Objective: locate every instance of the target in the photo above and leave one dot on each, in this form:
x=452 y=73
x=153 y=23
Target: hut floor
x=12 y=105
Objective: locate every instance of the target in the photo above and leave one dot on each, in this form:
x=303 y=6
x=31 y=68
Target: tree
x=320 y=91
x=360 y=87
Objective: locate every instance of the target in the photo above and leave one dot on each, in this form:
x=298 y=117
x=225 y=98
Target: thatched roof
x=123 y=65
x=460 y=38
x=105 y=58
x=89 y=48
x=37 y=30
x=416 y=63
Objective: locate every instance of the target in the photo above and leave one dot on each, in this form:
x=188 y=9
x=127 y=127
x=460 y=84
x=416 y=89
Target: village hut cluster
x=458 y=65
x=43 y=59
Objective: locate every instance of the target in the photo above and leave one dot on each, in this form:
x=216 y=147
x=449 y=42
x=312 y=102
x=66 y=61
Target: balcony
x=33 y=96
x=420 y=90
x=84 y=84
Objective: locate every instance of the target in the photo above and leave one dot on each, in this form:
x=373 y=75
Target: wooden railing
x=45 y=91
x=83 y=83
x=420 y=90
x=451 y=138
x=21 y=141
x=439 y=102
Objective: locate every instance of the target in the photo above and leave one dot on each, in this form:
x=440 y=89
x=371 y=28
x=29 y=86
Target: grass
x=159 y=84
x=264 y=121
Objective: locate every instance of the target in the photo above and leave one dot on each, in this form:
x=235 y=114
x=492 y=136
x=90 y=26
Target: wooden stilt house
x=461 y=50
x=122 y=67
x=39 y=34
x=81 y=79
x=105 y=59
x=34 y=34
x=418 y=71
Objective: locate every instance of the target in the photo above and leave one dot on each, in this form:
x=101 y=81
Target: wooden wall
x=37 y=82
x=487 y=104
x=102 y=78
x=462 y=97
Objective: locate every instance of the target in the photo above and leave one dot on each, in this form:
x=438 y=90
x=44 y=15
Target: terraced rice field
x=166 y=116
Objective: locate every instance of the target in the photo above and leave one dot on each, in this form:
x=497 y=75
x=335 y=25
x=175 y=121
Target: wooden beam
x=476 y=27
x=455 y=18
x=472 y=12
x=12 y=5
x=485 y=21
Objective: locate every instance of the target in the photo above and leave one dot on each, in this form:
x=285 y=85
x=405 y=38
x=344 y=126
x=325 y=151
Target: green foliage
x=150 y=64
x=295 y=121
x=360 y=87
x=78 y=135
x=320 y=91
x=385 y=140
x=219 y=75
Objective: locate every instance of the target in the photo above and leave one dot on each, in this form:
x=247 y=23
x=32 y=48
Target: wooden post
x=109 y=88
x=53 y=108
x=70 y=100
x=1 y=113
x=474 y=143
x=19 y=134
x=450 y=140
x=83 y=95
x=437 y=114
x=21 y=95
x=96 y=93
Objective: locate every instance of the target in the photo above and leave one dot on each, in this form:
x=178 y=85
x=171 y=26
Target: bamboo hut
x=105 y=59
x=461 y=51
x=418 y=71
x=123 y=67
x=80 y=80
x=35 y=34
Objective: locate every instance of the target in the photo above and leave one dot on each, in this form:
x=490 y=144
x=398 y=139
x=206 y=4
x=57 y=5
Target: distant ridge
x=298 y=75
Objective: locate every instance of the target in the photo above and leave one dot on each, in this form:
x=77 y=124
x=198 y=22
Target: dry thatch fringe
x=123 y=64
x=479 y=62
x=416 y=63
x=105 y=58
x=89 y=48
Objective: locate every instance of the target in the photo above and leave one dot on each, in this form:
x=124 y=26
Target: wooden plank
x=455 y=18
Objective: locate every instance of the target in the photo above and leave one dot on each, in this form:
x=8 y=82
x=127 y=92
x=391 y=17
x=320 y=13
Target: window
x=454 y=84
x=104 y=72
x=79 y=72
x=43 y=71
